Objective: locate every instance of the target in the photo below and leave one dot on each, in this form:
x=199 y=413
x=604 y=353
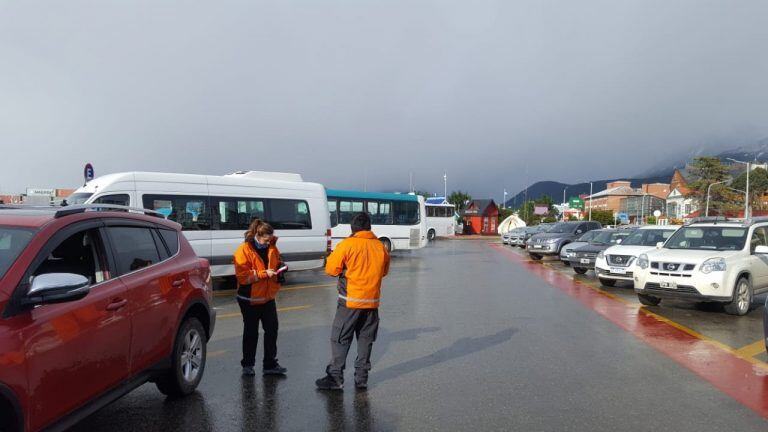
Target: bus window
x=236 y=213
x=347 y=210
x=191 y=212
x=333 y=210
x=380 y=212
x=289 y=214
x=406 y=212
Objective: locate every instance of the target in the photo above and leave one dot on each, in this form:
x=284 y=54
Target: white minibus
x=215 y=211
x=441 y=218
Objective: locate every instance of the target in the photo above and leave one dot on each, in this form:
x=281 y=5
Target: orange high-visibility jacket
x=246 y=260
x=360 y=262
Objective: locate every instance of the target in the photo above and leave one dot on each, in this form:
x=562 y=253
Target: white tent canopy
x=510 y=223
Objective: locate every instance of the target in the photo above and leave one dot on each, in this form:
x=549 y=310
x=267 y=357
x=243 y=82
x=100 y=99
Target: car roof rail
x=82 y=208
x=709 y=219
x=757 y=219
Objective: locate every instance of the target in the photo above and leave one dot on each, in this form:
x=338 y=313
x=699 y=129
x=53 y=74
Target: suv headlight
x=713 y=264
x=642 y=261
x=601 y=255
x=552 y=240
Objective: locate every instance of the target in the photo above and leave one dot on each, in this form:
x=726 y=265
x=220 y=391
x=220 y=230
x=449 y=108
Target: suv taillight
x=328 y=242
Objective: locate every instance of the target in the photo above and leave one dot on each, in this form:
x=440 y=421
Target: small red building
x=481 y=217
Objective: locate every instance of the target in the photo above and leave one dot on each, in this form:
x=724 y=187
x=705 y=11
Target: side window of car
x=82 y=253
x=758 y=239
x=171 y=240
x=134 y=248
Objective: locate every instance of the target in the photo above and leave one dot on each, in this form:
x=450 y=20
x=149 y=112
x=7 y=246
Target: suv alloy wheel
x=188 y=362
x=742 y=297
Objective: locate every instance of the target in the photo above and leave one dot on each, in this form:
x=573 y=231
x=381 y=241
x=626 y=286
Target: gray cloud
x=497 y=93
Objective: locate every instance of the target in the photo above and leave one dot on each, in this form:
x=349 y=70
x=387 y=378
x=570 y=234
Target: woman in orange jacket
x=256 y=263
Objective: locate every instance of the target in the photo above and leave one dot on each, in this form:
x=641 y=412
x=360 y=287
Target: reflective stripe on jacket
x=360 y=262
x=247 y=259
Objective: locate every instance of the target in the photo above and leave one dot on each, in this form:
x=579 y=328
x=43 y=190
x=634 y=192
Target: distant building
x=680 y=205
x=481 y=217
x=611 y=198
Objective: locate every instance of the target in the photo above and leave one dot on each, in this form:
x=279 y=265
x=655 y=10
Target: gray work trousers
x=362 y=324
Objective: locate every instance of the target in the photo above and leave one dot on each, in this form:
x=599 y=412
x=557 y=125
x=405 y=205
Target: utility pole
x=746 y=192
x=504 y=203
x=445 y=185
x=590 y=201
x=562 y=214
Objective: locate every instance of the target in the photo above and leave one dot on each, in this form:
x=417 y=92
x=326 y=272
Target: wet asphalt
x=468 y=341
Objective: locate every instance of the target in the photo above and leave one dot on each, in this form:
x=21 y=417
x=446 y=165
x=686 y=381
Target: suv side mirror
x=762 y=250
x=618 y=241
x=659 y=245
x=57 y=288
x=578 y=231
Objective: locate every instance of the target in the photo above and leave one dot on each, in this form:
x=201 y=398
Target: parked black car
x=550 y=242
x=584 y=257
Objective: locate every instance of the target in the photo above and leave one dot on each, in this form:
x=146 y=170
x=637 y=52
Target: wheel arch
x=198 y=309
x=9 y=404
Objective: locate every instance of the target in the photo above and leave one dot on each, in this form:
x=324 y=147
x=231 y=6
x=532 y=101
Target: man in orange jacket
x=360 y=262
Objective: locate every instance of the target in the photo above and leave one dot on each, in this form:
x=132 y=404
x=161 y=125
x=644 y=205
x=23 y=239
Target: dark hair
x=360 y=222
x=258 y=228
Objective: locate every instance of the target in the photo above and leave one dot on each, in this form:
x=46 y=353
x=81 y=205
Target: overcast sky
x=496 y=93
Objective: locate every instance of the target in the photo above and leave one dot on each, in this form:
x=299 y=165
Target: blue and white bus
x=399 y=220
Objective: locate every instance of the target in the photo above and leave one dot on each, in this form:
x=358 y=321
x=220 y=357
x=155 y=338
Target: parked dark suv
x=95 y=302
x=550 y=242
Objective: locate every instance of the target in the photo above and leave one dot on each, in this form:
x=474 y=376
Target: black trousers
x=362 y=324
x=253 y=314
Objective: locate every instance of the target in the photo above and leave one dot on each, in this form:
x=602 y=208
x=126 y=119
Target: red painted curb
x=730 y=374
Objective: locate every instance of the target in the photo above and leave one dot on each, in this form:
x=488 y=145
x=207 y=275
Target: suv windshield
x=12 y=242
x=647 y=237
x=78 y=198
x=708 y=238
x=562 y=228
x=588 y=236
x=609 y=237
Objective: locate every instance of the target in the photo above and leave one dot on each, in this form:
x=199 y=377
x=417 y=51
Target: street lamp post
x=746 y=192
x=504 y=204
x=590 y=201
x=709 y=188
x=562 y=214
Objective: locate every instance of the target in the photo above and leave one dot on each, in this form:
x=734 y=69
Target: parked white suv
x=618 y=262
x=709 y=260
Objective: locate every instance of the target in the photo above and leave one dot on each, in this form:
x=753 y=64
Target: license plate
x=537 y=246
x=618 y=270
x=584 y=261
x=668 y=285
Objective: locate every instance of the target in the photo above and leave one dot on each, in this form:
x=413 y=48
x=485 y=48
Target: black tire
x=183 y=378
x=387 y=244
x=742 y=298
x=535 y=257
x=648 y=300
x=431 y=235
x=607 y=282
x=580 y=270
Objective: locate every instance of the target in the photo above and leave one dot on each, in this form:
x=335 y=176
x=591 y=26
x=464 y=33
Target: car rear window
x=12 y=242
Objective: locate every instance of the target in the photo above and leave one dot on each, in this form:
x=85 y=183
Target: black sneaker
x=361 y=385
x=275 y=370
x=248 y=371
x=329 y=382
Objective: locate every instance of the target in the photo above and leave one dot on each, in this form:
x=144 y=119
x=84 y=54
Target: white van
x=215 y=211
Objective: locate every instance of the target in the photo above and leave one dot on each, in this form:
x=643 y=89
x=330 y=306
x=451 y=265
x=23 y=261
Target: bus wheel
x=387 y=244
x=431 y=235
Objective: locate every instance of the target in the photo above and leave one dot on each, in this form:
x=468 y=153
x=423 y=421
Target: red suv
x=93 y=303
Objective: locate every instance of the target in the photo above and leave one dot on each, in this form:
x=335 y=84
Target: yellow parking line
x=285 y=309
x=213 y=354
x=752 y=349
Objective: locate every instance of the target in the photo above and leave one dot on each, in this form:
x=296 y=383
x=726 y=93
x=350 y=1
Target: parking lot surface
x=473 y=336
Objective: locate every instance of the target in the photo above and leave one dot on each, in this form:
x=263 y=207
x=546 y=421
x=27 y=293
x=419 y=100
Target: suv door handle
x=117 y=304
x=178 y=282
